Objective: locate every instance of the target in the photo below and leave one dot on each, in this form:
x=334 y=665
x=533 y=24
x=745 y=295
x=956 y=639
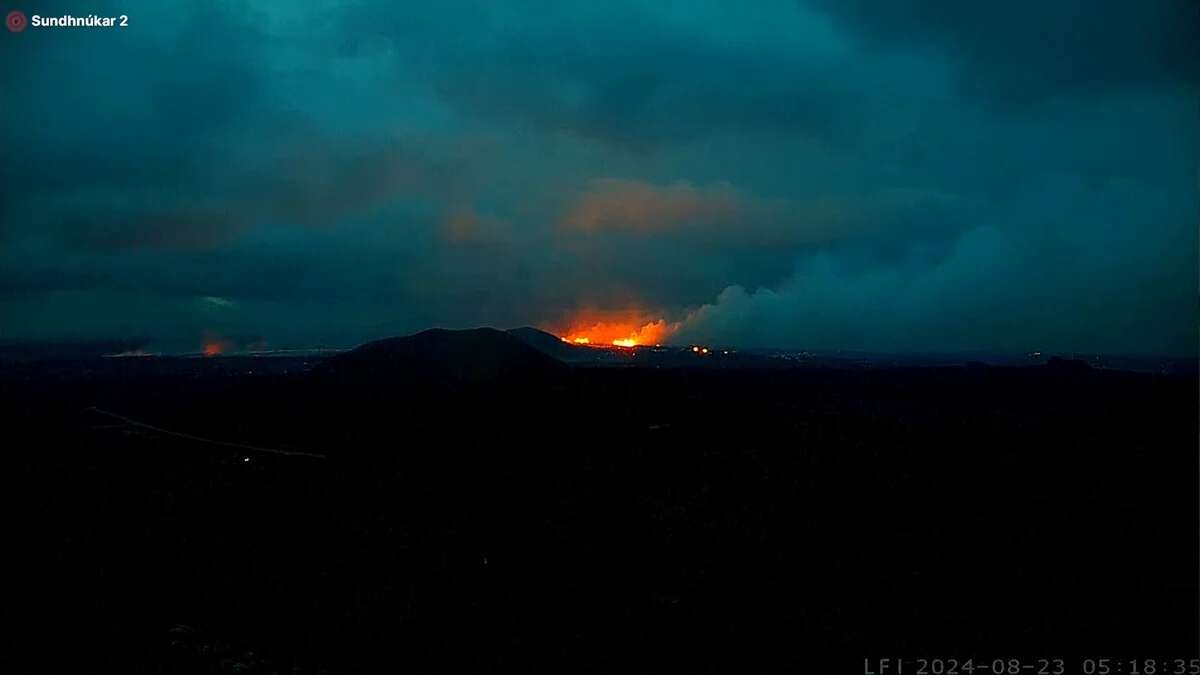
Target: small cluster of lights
x=631 y=342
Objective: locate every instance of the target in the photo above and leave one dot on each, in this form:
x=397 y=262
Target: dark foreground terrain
x=569 y=520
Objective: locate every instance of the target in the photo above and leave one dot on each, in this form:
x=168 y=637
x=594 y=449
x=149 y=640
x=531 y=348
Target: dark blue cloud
x=925 y=175
x=1026 y=51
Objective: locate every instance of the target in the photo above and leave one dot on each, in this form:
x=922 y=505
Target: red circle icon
x=16 y=21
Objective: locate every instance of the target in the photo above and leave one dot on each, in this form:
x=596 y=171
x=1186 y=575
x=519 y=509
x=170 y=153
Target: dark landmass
x=478 y=507
x=437 y=356
x=21 y=352
x=683 y=356
x=548 y=343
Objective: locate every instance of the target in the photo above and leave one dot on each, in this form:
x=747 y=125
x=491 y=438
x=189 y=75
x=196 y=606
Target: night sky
x=928 y=175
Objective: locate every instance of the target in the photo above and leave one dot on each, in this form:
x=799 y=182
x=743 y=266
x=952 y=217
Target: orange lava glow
x=622 y=329
x=213 y=344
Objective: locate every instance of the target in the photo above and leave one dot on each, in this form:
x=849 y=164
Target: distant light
x=704 y=351
x=245 y=459
x=725 y=351
x=695 y=349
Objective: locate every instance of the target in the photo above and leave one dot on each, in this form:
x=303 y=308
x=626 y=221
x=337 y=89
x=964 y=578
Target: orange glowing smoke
x=628 y=329
x=214 y=345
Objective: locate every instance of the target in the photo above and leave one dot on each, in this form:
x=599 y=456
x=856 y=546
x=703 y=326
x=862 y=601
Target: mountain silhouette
x=548 y=343
x=458 y=356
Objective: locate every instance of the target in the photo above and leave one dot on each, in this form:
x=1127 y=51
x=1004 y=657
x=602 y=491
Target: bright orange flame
x=213 y=348
x=621 y=329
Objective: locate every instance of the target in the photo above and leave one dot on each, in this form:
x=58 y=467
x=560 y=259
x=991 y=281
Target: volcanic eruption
x=620 y=329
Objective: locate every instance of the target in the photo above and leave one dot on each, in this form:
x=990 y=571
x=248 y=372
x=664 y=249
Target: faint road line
x=201 y=439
